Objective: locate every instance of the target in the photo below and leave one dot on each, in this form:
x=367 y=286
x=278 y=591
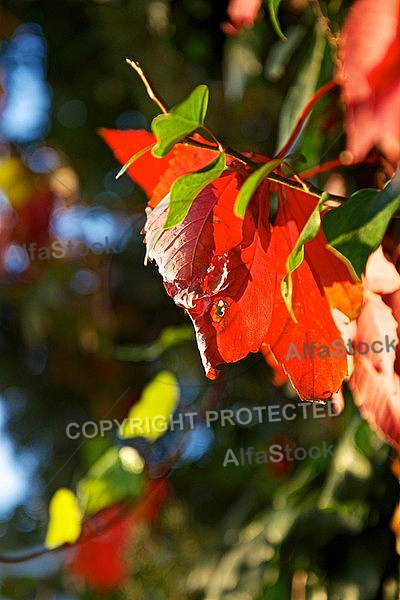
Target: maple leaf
x=369 y=74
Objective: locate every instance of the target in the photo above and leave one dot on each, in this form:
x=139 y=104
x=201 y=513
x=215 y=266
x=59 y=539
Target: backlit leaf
x=65 y=519
x=159 y=399
x=219 y=268
x=273 y=6
x=251 y=184
x=183 y=120
x=296 y=257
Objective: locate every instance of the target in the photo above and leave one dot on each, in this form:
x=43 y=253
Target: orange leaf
x=317 y=373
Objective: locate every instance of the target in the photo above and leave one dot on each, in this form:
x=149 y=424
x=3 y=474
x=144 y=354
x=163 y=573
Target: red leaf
x=241 y=13
x=146 y=170
x=370 y=77
x=223 y=271
x=98 y=559
x=155 y=175
x=375 y=386
x=220 y=269
x=315 y=375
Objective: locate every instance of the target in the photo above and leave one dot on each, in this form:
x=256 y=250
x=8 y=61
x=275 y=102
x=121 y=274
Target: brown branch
x=149 y=87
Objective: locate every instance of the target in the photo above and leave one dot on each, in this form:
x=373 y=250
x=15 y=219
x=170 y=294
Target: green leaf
x=273 y=6
x=296 y=257
x=169 y=338
x=251 y=184
x=188 y=187
x=158 y=402
x=355 y=229
x=183 y=120
x=110 y=480
x=65 y=519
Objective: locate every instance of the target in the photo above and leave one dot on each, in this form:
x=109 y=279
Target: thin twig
x=149 y=87
x=328 y=166
x=324 y=24
x=303 y=116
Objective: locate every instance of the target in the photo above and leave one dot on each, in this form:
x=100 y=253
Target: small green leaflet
x=188 y=187
x=132 y=160
x=273 y=6
x=296 y=257
x=356 y=229
x=251 y=184
x=183 y=120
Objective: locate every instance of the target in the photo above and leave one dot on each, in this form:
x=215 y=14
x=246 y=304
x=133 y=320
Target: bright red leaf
x=317 y=373
x=226 y=273
x=220 y=269
x=155 y=175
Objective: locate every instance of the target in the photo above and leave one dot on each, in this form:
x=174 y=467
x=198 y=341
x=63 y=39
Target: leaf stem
x=303 y=116
x=313 y=171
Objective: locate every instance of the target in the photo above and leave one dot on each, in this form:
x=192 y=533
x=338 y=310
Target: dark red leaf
x=220 y=269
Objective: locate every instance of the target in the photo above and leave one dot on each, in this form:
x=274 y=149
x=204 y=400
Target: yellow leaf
x=65 y=519
x=149 y=417
x=16 y=181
